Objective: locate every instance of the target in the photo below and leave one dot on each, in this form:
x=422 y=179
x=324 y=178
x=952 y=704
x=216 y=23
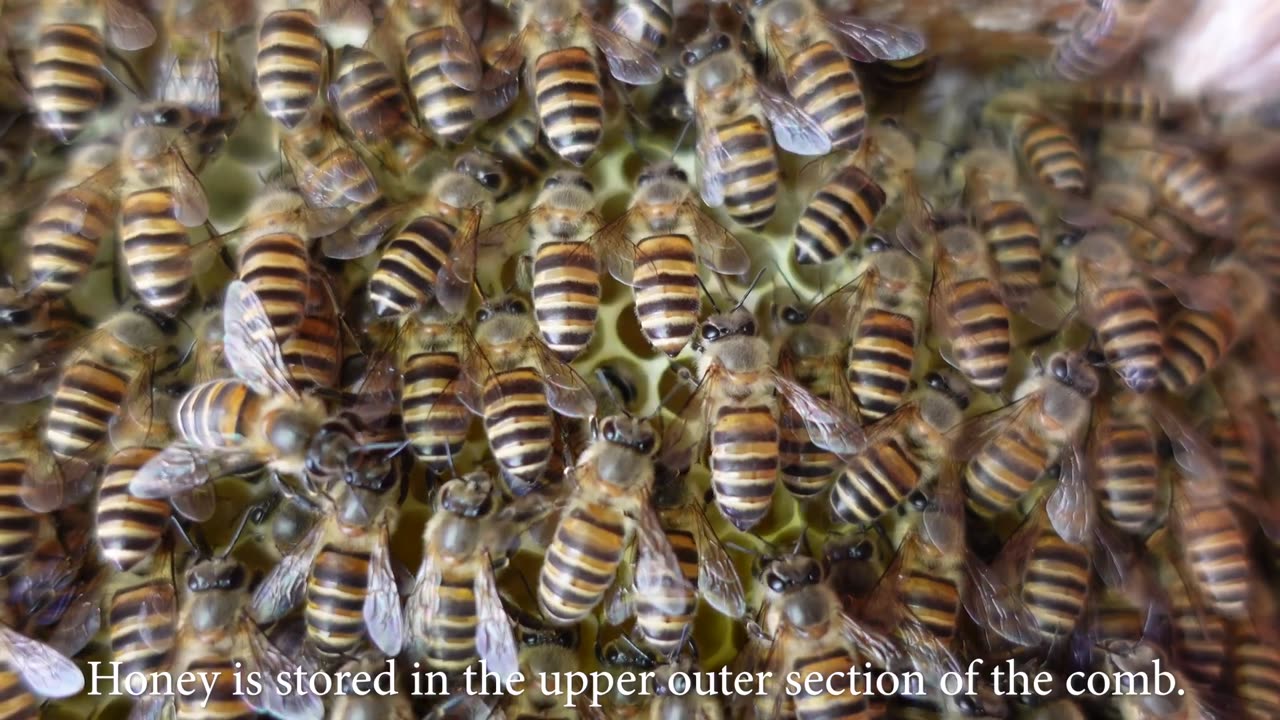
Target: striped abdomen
x=880 y=361
x=289 y=67
x=17 y=521
x=876 y=480
x=142 y=626
x=805 y=468
x=1243 y=477
x=336 y=590
x=87 y=399
x=1194 y=344
x=16 y=702
x=435 y=420
x=67 y=80
x=1004 y=469
x=1257 y=676
x=645 y=22
x=219 y=414
x=1013 y=239
x=1260 y=241
x=63 y=238
x=520 y=146
x=825 y=87
x=581 y=562
x=751 y=180
x=566 y=296
x=408 y=268
x=837 y=216
x=666 y=291
x=1055 y=584
x=1216 y=551
x=129 y=528
x=1117 y=101
x=450 y=642
x=570 y=102
x=1192 y=191
x=897 y=76
x=518 y=423
x=276 y=267
x=981 y=327
x=1129 y=330
x=1127 y=474
x=932 y=599
x=830 y=660
x=1051 y=153
x=313 y=353
x=664 y=615
x=446 y=108
x=157 y=250
x=1095 y=44
x=367 y=97
x=223 y=703
x=744 y=462
x=1199 y=638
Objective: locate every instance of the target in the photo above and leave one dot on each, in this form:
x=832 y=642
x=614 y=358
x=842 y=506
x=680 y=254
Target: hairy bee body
x=313 y=352
x=142 y=621
x=1050 y=152
x=446 y=108
x=664 y=615
x=367 y=97
x=290 y=64
x=435 y=420
x=1099 y=39
x=805 y=468
x=1013 y=239
x=751 y=183
x=566 y=295
x=1056 y=583
x=1199 y=638
x=219 y=414
x=157 y=249
x=982 y=341
x=825 y=86
x=16 y=702
x=518 y=423
x=18 y=523
x=881 y=358
x=666 y=290
x=1257 y=675
x=1192 y=191
x=837 y=216
x=276 y=266
x=1128 y=479
x=899 y=76
x=129 y=528
x=520 y=146
x=63 y=237
x=570 y=101
x=87 y=399
x=336 y=589
x=1217 y=554
x=744 y=459
x=1195 y=341
x=68 y=82
x=410 y=263
x=223 y=702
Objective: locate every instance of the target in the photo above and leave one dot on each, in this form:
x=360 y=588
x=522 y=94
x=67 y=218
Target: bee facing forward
x=556 y=41
x=738 y=402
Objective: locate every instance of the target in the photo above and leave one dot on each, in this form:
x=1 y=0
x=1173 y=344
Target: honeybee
x=738 y=407
x=342 y=570
x=1129 y=660
x=556 y=41
x=737 y=162
x=313 y=353
x=1207 y=539
x=1257 y=666
x=1126 y=467
x=663 y=605
x=1184 y=182
x=520 y=146
x=1218 y=307
x=647 y=23
x=545 y=650
x=804 y=629
x=903 y=453
x=351 y=706
x=142 y=622
x=367 y=98
x=605 y=512
x=29 y=667
x=1102 y=35
x=667 y=236
x=813 y=50
x=514 y=383
x=1259 y=235
x=838 y=215
x=275 y=424
x=289 y=65
x=36 y=337
x=1239 y=429
x=1048 y=150
x=1009 y=449
x=68 y=71
x=443 y=66
x=25 y=469
x=454 y=615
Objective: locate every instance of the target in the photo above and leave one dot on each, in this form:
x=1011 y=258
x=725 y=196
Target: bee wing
x=1192 y=451
x=423 y=603
x=344 y=180
x=567 y=392
x=718 y=580
x=281 y=590
x=127 y=28
x=829 y=428
x=193 y=82
x=454 y=281
x=867 y=40
x=80 y=623
x=656 y=563
x=713 y=158
x=718 y=249
x=179 y=468
x=190 y=204
x=974 y=433
x=942 y=523
x=382 y=614
x=629 y=62
x=996 y=606
x=462 y=65
x=161 y=605
x=1070 y=506
x=927 y=651
x=42 y=668
x=618 y=603
x=880 y=648
x=501 y=82
x=269 y=661
x=250 y=343
x=495 y=634
x=797 y=132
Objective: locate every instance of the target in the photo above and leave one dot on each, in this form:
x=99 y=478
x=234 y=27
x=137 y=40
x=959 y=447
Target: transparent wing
x=343 y=180
x=974 y=434
x=42 y=668
x=620 y=254
x=462 y=64
x=250 y=343
x=271 y=663
x=718 y=249
x=191 y=205
x=656 y=563
x=382 y=605
x=179 y=468
x=567 y=392
x=796 y=131
x=867 y=40
x=713 y=158
x=281 y=590
x=127 y=28
x=1070 y=506
x=454 y=281
x=495 y=634
x=879 y=648
x=997 y=607
x=423 y=604
x=828 y=428
x=718 y=581
x=628 y=62
x=942 y=524
x=501 y=82
x=1192 y=451
x=193 y=81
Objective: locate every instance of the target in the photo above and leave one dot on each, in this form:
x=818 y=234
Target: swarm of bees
x=783 y=336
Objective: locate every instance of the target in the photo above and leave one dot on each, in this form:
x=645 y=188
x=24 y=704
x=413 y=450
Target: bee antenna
x=201 y=549
x=792 y=287
x=710 y=297
x=750 y=288
x=684 y=132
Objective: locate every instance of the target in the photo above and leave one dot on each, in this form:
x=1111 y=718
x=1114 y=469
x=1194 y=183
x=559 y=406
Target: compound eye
x=193 y=583
x=610 y=431
x=966 y=704
x=710 y=332
x=483 y=314
x=551 y=182
x=516 y=306
x=646 y=177
x=749 y=328
x=814 y=576
x=645 y=446
x=793 y=315
x=1068 y=239
x=935 y=381
x=776 y=583
x=877 y=243
x=862 y=551
x=682 y=176
x=491 y=180
x=689 y=58
x=1058 y=366
x=723 y=42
